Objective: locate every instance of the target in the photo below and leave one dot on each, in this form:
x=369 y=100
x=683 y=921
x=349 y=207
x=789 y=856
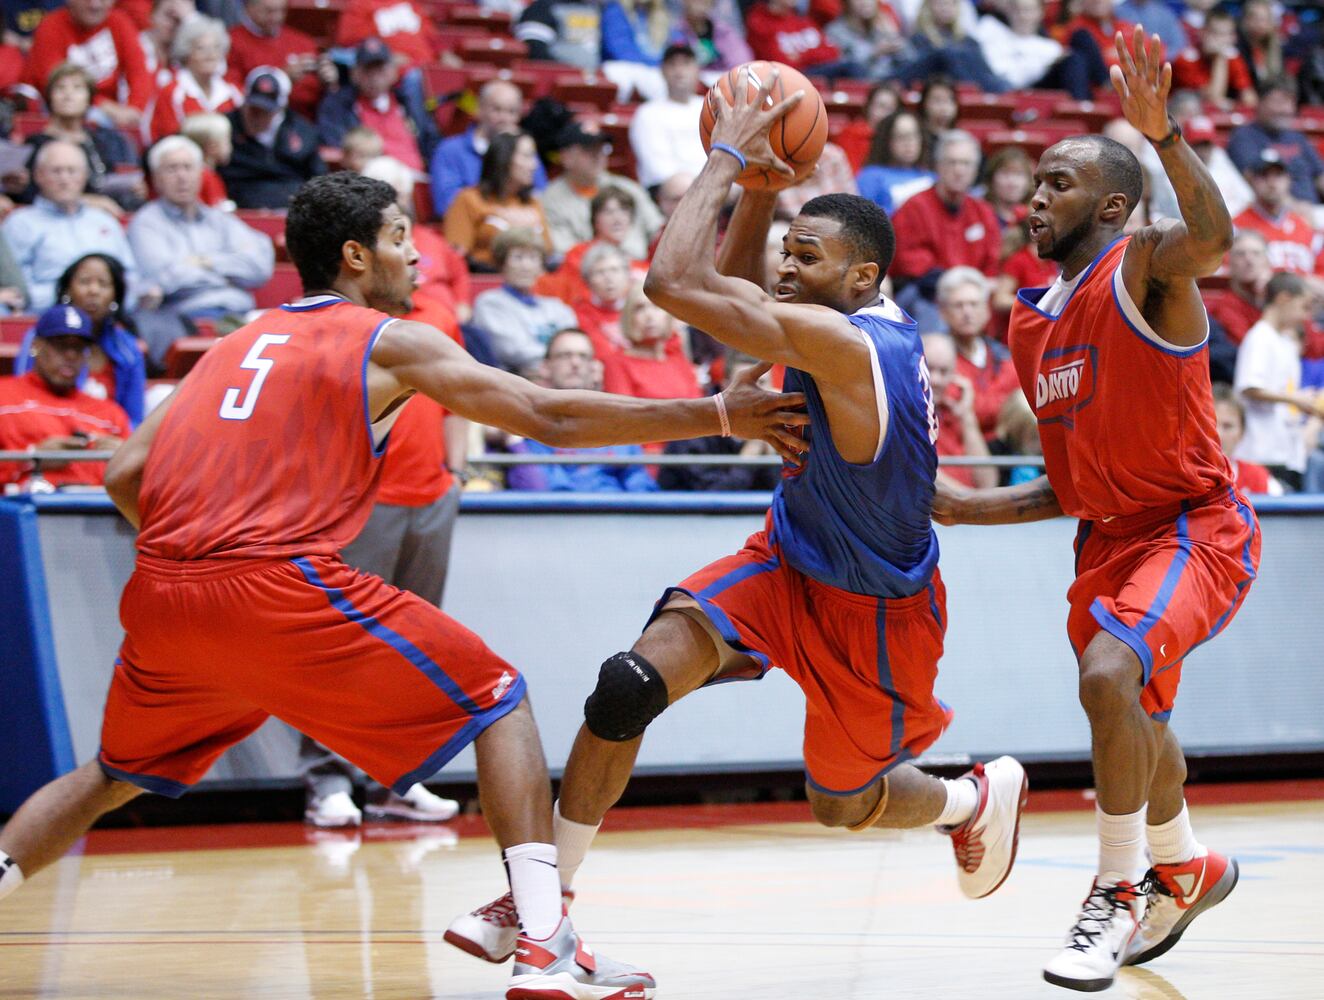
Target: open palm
x=1143 y=79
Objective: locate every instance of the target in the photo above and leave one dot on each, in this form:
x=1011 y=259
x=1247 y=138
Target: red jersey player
x=1112 y=359
x=246 y=483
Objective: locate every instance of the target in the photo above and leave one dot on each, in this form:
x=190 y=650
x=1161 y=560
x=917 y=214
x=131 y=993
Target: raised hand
x=745 y=124
x=1142 y=78
x=757 y=414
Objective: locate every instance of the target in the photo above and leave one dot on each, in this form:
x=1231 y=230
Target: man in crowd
x=1268 y=380
x=205 y=261
x=567 y=199
x=44 y=409
x=262 y=38
x=963 y=301
x=1293 y=243
x=458 y=160
x=275 y=150
x=663 y=132
x=571 y=364
x=1272 y=129
x=58 y=227
x=565 y=31
x=954 y=403
x=1237 y=308
x=374 y=99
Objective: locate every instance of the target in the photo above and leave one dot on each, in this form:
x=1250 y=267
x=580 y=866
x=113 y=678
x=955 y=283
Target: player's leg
x=54 y=817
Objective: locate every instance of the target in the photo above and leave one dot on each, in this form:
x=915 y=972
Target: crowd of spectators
x=159 y=132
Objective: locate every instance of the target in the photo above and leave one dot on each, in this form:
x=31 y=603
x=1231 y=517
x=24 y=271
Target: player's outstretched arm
x=1032 y=501
x=1195 y=246
x=124 y=471
x=414 y=356
x=743 y=251
x=684 y=280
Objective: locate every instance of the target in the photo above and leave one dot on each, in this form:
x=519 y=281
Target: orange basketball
x=797 y=139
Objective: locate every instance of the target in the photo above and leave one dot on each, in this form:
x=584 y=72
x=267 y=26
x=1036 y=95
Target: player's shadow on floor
x=1142 y=984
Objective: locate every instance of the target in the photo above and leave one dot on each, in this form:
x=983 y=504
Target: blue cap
x=372 y=51
x=64 y=321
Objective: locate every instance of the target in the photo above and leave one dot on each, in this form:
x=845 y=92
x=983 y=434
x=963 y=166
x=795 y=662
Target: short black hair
x=1118 y=167
x=864 y=226
x=325 y=214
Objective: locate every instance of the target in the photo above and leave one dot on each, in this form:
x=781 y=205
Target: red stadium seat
x=1094 y=114
x=479 y=283
x=283 y=287
x=598 y=93
x=12 y=328
x=28 y=123
x=494 y=22
x=8 y=352
x=493 y=50
x=423 y=210
x=318 y=18
x=988 y=107
x=269 y=222
x=184 y=353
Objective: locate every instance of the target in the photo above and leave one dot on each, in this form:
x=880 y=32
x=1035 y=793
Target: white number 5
x=231 y=408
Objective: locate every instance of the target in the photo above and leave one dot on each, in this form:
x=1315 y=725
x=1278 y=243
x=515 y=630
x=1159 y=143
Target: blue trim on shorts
x=1249 y=520
x=1118 y=629
x=725 y=628
x=888 y=683
x=901 y=758
x=933 y=607
x=428 y=666
x=472 y=729
x=1083 y=532
x=736 y=576
x=147 y=782
x=1161 y=716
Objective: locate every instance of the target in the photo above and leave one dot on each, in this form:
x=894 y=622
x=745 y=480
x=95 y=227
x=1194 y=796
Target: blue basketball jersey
x=865 y=528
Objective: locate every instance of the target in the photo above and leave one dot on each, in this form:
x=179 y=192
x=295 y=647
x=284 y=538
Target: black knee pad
x=630 y=694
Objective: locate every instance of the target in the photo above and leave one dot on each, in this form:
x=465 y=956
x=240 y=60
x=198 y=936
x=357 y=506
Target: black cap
x=575 y=134
x=677 y=49
x=1269 y=159
x=266 y=89
x=372 y=52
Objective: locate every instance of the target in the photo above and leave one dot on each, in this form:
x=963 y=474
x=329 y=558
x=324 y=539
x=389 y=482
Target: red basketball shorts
x=866 y=665
x=374 y=673
x=1165 y=589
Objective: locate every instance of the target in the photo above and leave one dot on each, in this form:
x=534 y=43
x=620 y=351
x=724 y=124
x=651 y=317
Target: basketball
x=797 y=139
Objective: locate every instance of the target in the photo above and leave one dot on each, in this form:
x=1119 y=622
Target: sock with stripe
x=10 y=875
x=536 y=886
x=1173 y=842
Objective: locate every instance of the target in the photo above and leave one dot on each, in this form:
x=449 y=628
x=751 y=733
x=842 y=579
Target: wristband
x=733 y=151
x=1171 y=139
x=721 y=414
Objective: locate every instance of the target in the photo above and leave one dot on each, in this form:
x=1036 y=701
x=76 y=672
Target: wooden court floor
x=743 y=910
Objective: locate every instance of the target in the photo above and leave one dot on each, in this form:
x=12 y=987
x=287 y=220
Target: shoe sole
x=1015 y=837
x=475 y=949
x=408 y=815
x=1079 y=985
x=1221 y=890
x=338 y=824
x=561 y=986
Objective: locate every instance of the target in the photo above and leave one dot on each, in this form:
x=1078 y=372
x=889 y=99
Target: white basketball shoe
x=985 y=844
x=1098 y=942
x=416 y=805
x=332 y=811
x=564 y=968
x=1177 y=895
x=490 y=932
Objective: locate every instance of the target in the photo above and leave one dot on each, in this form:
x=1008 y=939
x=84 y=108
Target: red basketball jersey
x=267 y=449
x=1126 y=419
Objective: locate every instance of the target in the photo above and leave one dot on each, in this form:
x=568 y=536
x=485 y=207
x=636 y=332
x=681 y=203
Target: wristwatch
x=1172 y=138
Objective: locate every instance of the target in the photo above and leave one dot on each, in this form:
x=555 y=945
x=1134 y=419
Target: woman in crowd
x=1008 y=183
x=942 y=45
x=1020 y=52
x=69 y=97
x=612 y=213
x=895 y=169
x=649 y=366
x=200 y=48
x=115 y=368
x=159 y=36
x=606 y=271
x=518 y=323
x=856 y=138
x=716 y=36
x=938 y=111
x=869 y=35
x=1260 y=40
x=502 y=199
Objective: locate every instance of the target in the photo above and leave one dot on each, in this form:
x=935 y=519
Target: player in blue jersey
x=841 y=590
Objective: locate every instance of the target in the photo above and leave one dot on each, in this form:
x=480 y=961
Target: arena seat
x=12 y=328
x=269 y=222
x=599 y=93
x=318 y=18
x=8 y=352
x=184 y=353
x=494 y=50
x=1094 y=114
x=283 y=287
x=989 y=107
x=493 y=21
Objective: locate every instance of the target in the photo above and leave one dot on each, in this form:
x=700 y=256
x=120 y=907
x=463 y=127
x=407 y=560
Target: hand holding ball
x=796 y=137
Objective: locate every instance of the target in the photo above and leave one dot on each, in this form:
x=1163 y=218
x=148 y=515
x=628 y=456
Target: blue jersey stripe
x=430 y=668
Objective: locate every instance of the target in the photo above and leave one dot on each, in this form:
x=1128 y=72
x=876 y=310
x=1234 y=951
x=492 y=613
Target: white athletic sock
x=10 y=875
x=962 y=801
x=531 y=869
x=572 y=843
x=1173 y=842
x=1122 y=845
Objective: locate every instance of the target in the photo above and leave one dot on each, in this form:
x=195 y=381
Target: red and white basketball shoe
x=1109 y=919
x=985 y=844
x=564 y=968
x=1177 y=895
x=490 y=932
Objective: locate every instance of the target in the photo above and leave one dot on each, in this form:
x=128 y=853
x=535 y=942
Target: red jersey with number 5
x=1126 y=419
x=267 y=450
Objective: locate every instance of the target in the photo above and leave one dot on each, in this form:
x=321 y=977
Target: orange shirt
x=473 y=221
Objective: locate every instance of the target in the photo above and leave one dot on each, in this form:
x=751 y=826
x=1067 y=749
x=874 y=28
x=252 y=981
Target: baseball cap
x=64 y=321
x=372 y=51
x=575 y=134
x=677 y=49
x=267 y=88
x=1199 y=129
x=1269 y=159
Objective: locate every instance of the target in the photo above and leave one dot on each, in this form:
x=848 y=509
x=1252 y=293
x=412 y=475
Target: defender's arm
x=1032 y=501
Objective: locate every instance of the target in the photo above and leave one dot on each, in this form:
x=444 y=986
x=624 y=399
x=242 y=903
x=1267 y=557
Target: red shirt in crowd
x=1233 y=313
x=648 y=378
x=994 y=380
x=931 y=236
x=952 y=442
x=855 y=140
x=110 y=52
x=567 y=281
x=602 y=323
x=388 y=120
x=1191 y=70
x=445 y=274
x=183 y=96
x=1102 y=32
x=414 y=470
x=1294 y=245
x=789 y=38
x=289 y=50
x=399 y=23
x=31 y=411
x=1251 y=478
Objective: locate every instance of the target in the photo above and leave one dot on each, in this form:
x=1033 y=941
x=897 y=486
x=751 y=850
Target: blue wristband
x=733 y=151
